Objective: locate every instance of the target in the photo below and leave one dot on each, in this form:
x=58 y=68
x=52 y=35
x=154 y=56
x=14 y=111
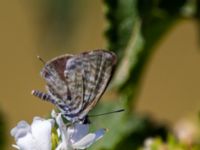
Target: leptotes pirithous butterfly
x=75 y=83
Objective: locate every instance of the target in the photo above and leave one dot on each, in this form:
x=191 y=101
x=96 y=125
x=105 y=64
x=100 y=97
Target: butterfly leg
x=43 y=96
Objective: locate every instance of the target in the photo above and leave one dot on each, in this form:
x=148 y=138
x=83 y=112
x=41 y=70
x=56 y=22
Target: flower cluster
x=40 y=134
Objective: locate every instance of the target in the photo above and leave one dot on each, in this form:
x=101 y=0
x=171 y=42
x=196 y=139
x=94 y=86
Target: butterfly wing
x=97 y=70
x=67 y=91
x=78 y=81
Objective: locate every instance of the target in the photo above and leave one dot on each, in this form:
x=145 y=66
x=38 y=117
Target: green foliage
x=135 y=29
x=122 y=16
x=123 y=128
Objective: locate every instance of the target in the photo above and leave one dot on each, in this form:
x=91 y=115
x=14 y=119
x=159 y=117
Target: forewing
x=53 y=73
x=97 y=71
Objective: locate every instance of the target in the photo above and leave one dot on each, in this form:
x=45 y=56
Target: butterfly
x=75 y=83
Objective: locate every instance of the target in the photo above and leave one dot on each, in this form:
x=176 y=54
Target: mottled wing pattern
x=97 y=67
x=76 y=82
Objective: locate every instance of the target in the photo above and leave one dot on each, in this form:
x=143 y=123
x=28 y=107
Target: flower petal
x=34 y=137
x=41 y=131
x=80 y=130
x=20 y=130
x=62 y=128
x=89 y=139
x=27 y=143
x=65 y=134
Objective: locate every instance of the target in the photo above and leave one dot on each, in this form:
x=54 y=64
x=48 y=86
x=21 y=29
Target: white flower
x=36 y=136
x=76 y=136
x=39 y=135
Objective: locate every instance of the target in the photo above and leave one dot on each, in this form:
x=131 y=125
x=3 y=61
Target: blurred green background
x=169 y=89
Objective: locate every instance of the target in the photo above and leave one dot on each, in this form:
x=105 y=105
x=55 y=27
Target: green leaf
x=123 y=128
x=121 y=16
x=135 y=29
